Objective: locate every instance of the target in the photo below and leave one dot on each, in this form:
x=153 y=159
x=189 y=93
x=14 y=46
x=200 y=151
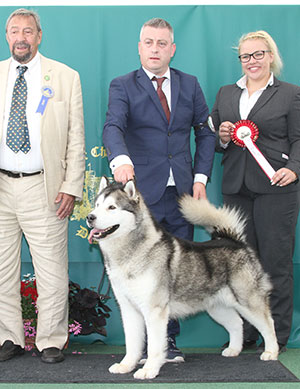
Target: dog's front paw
x=146 y=374
x=230 y=352
x=120 y=368
x=269 y=356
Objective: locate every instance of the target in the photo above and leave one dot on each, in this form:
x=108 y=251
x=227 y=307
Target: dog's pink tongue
x=92 y=233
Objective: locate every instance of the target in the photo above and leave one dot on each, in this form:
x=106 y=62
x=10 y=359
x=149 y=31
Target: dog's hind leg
x=156 y=323
x=233 y=323
x=134 y=329
x=259 y=315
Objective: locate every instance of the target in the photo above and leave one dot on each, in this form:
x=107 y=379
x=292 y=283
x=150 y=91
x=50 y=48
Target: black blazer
x=277 y=115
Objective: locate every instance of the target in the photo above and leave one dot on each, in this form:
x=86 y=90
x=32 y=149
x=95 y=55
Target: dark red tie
x=162 y=96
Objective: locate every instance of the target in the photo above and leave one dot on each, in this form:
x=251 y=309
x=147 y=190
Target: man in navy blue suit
x=147 y=136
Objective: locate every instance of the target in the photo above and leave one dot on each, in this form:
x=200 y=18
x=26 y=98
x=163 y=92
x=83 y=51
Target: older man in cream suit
x=41 y=174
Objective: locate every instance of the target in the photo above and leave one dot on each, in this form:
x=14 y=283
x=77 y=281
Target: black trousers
x=270 y=230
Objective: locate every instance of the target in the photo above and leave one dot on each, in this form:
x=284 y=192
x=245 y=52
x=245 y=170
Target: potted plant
x=87 y=311
x=88 y=308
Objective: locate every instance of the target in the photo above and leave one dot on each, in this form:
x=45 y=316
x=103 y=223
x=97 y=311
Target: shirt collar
x=242 y=82
x=30 y=65
x=151 y=75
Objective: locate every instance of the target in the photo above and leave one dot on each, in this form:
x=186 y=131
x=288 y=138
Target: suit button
x=170 y=156
x=169 y=133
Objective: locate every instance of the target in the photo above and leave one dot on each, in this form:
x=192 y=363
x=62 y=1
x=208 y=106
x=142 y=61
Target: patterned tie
x=162 y=96
x=17 y=130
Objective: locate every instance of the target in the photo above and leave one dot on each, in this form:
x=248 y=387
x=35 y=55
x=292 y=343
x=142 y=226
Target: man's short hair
x=158 y=23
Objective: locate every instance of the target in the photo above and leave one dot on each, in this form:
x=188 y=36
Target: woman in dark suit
x=271 y=203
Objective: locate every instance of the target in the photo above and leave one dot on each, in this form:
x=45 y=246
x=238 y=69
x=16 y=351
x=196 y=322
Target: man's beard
x=22 y=58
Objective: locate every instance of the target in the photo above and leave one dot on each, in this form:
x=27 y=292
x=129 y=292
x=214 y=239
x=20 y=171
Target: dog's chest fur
x=140 y=290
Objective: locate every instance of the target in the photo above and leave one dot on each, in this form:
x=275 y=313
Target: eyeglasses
x=259 y=54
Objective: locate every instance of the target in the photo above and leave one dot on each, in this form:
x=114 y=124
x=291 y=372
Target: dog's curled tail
x=223 y=221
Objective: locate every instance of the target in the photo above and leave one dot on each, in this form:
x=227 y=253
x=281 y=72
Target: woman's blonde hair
x=277 y=64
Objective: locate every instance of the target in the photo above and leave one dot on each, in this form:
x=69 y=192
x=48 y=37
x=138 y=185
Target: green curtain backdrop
x=100 y=42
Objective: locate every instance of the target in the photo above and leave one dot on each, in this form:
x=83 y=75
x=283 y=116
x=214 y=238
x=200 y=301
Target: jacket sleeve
x=217 y=121
x=204 y=136
x=293 y=123
x=75 y=150
x=116 y=120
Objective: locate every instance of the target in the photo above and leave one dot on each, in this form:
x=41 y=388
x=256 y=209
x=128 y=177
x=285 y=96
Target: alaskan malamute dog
x=156 y=276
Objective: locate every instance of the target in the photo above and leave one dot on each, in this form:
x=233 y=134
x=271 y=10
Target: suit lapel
x=264 y=98
x=47 y=80
x=146 y=83
x=175 y=88
x=236 y=95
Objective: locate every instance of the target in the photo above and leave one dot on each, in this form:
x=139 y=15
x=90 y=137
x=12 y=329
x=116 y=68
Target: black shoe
x=173 y=353
x=247 y=345
x=52 y=355
x=282 y=348
x=9 y=350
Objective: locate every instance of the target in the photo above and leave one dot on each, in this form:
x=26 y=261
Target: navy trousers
x=166 y=212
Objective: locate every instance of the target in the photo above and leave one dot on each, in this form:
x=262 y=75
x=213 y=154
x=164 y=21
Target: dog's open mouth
x=97 y=234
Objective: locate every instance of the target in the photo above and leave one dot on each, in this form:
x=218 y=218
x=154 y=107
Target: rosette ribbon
x=47 y=93
x=245 y=134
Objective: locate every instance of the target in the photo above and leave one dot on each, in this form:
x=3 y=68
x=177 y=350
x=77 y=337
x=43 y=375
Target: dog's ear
x=103 y=183
x=131 y=191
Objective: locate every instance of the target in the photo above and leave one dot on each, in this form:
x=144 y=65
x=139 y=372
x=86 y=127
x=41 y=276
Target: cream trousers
x=24 y=210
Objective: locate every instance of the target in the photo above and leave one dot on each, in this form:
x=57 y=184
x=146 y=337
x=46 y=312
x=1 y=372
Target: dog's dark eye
x=111 y=207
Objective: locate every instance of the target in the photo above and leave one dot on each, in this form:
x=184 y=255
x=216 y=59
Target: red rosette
x=244 y=128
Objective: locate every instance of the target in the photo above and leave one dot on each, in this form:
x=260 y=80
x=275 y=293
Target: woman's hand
x=225 y=130
x=284 y=177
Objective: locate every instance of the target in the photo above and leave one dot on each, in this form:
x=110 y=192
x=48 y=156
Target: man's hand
x=66 y=205
x=199 y=191
x=124 y=173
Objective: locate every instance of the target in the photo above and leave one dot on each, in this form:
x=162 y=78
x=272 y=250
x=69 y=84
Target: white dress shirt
x=32 y=161
x=247 y=102
x=124 y=159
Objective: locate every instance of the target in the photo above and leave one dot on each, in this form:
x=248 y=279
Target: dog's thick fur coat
x=156 y=276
